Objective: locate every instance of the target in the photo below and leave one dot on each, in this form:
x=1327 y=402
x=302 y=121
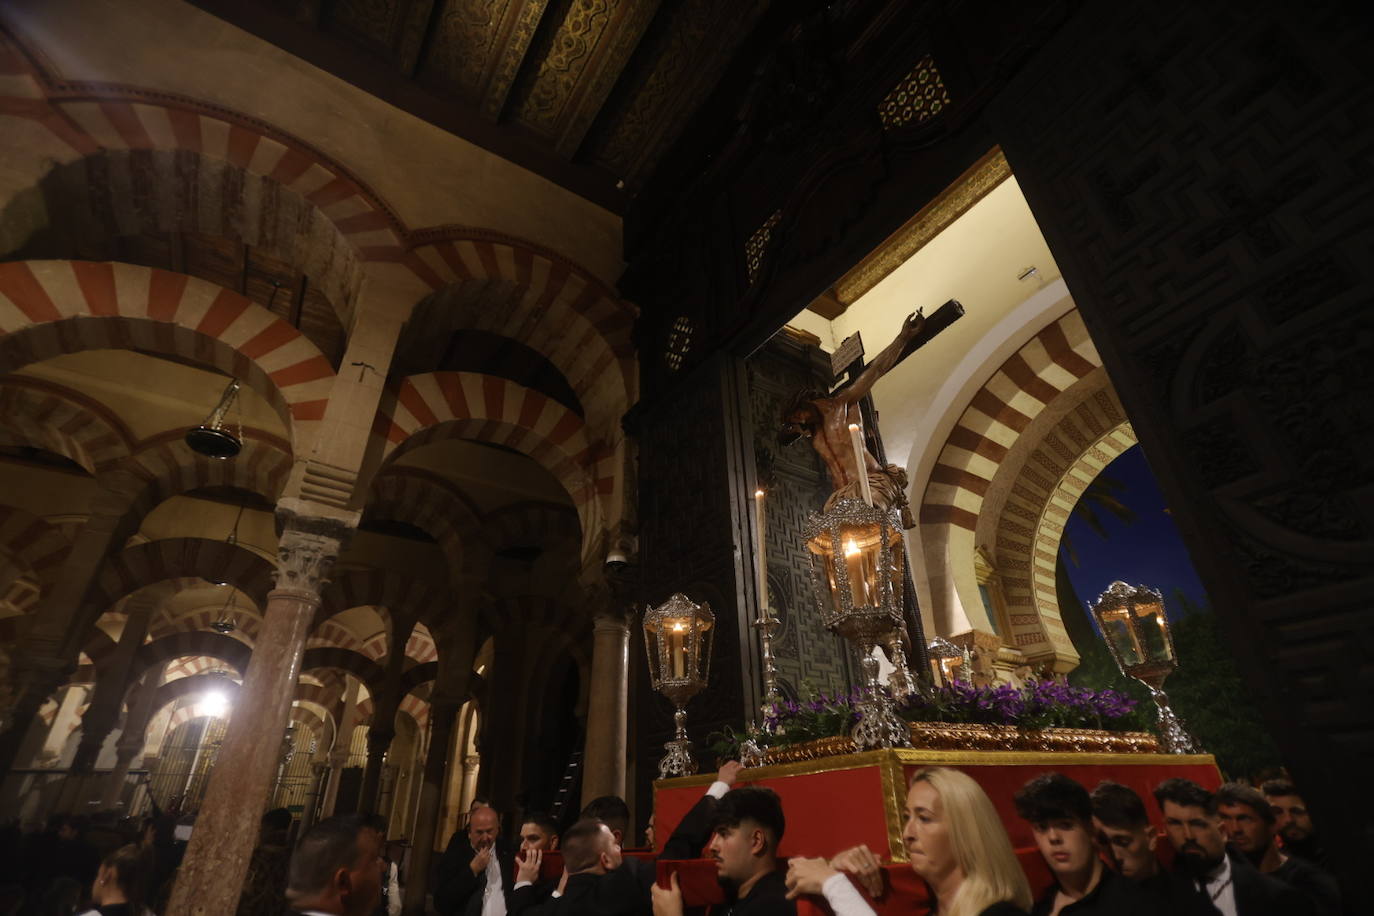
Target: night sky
x=1148 y=551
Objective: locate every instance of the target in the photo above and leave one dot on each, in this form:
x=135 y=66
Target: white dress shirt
x=1220 y=888
x=493 y=897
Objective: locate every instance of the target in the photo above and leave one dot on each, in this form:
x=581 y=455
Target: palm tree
x=1103 y=494
x=1096 y=668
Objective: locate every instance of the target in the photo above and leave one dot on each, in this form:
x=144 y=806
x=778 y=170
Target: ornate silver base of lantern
x=753 y=750
x=878 y=726
x=1172 y=735
x=679 y=760
x=900 y=680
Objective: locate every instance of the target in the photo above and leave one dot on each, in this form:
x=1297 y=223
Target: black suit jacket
x=692 y=832
x=1113 y=896
x=1312 y=882
x=616 y=893
x=768 y=897
x=458 y=891
x=1260 y=895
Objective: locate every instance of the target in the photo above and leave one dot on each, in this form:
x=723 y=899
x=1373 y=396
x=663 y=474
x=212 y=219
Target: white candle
x=856 y=436
x=762 y=561
x=677 y=649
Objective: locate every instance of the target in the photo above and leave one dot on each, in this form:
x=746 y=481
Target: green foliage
x=1209 y=696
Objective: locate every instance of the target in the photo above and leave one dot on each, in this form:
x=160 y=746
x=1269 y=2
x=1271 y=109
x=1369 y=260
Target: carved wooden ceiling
x=588 y=93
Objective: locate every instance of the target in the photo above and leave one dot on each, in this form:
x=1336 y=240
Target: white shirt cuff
x=718 y=789
x=520 y=884
x=844 y=898
x=556 y=894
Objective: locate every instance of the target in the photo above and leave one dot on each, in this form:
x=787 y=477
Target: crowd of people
x=1238 y=851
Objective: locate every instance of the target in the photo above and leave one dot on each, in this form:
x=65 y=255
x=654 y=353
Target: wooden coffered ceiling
x=587 y=93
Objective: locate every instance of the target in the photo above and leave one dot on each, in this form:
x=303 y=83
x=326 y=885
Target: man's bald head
x=484 y=824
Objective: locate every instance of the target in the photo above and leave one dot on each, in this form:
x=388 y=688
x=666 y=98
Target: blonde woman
x=956 y=844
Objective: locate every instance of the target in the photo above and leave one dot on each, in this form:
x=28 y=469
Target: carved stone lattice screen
x=805 y=650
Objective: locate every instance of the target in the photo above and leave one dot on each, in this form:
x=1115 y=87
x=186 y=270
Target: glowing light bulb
x=214 y=704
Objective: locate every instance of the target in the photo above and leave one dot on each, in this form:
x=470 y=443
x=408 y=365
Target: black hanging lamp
x=214 y=439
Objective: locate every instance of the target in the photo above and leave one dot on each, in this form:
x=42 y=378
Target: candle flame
x=850 y=548
x=853 y=427
x=758 y=494
x=678 y=627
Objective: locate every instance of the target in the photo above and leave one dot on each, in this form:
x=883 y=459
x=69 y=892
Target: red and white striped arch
x=174 y=558
x=432 y=504
x=332 y=635
x=89 y=117
x=383 y=590
x=527 y=524
x=49 y=416
x=38 y=547
x=1028 y=381
x=420 y=647
x=559 y=310
x=48 y=308
x=220 y=650
x=261 y=467
x=468 y=405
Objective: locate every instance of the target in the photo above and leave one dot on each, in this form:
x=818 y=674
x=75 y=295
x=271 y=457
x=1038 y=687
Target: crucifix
x=828 y=421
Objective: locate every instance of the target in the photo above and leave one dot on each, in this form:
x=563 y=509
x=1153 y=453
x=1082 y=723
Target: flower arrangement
x=1036 y=705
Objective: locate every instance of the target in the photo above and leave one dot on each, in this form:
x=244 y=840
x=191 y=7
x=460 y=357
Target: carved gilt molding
x=934 y=218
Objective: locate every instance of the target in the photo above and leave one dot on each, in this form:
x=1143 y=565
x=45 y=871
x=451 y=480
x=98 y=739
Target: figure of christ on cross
x=825 y=420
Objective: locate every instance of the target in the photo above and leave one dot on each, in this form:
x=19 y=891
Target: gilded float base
x=946 y=736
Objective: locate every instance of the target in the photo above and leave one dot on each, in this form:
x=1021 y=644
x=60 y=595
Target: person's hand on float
x=729 y=772
x=806 y=876
x=863 y=866
x=667 y=901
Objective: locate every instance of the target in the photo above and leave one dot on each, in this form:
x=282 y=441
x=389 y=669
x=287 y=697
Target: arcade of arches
x=473 y=441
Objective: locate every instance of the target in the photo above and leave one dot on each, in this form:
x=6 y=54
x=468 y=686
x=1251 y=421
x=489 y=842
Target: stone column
x=343 y=741
x=378 y=740
x=603 y=758
x=131 y=738
x=102 y=714
x=211 y=875
x=384 y=707
x=48 y=652
x=443 y=711
x=308 y=817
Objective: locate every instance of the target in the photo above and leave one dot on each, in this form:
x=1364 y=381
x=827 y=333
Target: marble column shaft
x=603 y=758
x=211 y=875
x=443 y=714
x=102 y=714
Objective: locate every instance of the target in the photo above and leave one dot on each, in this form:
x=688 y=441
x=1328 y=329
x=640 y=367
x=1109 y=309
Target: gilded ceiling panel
x=564 y=53
x=673 y=71
x=464 y=34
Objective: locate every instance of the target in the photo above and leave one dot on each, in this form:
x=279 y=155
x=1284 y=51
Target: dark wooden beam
x=374 y=76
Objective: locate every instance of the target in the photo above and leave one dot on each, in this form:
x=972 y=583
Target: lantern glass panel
x=862 y=545
x=1117 y=630
x=1150 y=625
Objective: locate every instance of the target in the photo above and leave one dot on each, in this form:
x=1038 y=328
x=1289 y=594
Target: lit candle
x=856 y=436
x=677 y=649
x=857 y=568
x=762 y=561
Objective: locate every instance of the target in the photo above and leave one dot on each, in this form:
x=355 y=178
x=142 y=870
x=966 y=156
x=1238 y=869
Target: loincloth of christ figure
x=824 y=419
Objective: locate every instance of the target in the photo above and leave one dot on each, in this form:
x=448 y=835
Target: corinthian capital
x=307 y=550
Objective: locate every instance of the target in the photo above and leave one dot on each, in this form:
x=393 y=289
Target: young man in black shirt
x=747 y=829
x=1060 y=813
